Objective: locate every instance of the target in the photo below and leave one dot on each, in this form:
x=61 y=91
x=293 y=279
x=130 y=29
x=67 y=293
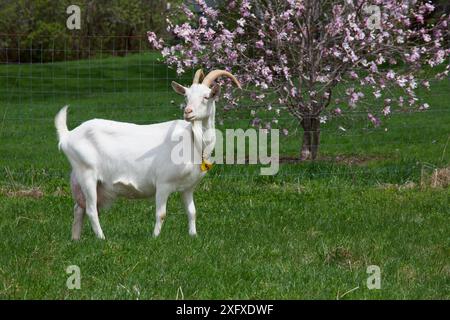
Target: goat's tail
x=61 y=124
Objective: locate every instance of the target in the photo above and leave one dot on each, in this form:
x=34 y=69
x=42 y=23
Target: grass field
x=309 y=232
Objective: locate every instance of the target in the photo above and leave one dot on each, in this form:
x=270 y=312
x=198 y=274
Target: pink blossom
x=245 y=8
x=154 y=40
x=353 y=75
x=256 y=122
x=401 y=81
x=241 y=22
x=203 y=21
x=424 y=106
x=259 y=44
x=377 y=94
x=375 y=121
x=240 y=30
x=419 y=18
x=293 y=92
x=373 y=67
x=287 y=14
x=427 y=7
x=426 y=37
x=390 y=75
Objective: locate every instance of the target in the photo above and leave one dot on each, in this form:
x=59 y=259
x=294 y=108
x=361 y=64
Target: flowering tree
x=313 y=56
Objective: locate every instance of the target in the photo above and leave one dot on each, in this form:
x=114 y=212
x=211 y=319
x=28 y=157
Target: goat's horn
x=213 y=75
x=199 y=75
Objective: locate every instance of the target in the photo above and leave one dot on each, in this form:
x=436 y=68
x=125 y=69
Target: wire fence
x=37 y=78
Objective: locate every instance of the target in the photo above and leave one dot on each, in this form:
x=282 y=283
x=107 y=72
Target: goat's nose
x=188 y=110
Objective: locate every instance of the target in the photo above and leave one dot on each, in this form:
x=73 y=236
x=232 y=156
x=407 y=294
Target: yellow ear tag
x=206 y=165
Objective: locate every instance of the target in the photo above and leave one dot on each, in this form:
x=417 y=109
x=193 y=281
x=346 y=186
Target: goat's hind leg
x=78 y=218
x=79 y=208
x=89 y=187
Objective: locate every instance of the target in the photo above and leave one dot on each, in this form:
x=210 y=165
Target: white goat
x=111 y=159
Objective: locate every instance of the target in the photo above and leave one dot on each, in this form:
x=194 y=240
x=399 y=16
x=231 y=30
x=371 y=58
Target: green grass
x=310 y=232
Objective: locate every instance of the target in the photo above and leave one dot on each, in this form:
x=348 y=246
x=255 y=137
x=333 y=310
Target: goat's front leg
x=188 y=201
x=77 y=226
x=161 y=202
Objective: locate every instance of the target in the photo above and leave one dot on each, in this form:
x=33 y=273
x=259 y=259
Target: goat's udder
x=80 y=199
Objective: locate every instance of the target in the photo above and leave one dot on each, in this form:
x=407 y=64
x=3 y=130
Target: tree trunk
x=311 y=138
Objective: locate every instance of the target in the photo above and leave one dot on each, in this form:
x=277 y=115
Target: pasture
x=310 y=232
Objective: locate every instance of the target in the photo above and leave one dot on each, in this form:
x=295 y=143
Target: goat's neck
x=204 y=133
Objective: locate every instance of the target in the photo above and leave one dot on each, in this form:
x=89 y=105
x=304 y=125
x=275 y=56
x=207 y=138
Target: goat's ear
x=178 y=88
x=215 y=92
